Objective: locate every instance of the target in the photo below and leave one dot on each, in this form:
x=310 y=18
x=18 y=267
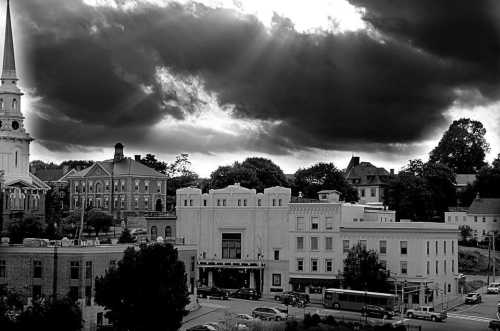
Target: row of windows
x=314 y=225
x=239 y=202
x=373 y=192
x=314 y=265
x=118 y=186
x=154 y=232
x=464 y=219
x=137 y=203
x=436 y=247
x=2 y=104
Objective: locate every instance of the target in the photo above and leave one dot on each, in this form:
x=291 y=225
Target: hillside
x=474 y=261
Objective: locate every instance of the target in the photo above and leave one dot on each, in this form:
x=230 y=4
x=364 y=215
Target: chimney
x=118 y=152
x=137 y=157
x=392 y=172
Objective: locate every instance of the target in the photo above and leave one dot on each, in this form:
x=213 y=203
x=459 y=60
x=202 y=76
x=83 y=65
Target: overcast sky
x=295 y=81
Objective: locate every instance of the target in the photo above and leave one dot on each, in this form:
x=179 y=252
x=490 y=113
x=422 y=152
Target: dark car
x=212 y=292
x=494 y=325
x=473 y=297
x=377 y=312
x=246 y=293
x=290 y=297
x=302 y=296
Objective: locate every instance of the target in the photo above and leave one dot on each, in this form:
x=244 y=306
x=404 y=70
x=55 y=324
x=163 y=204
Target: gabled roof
x=66 y=175
x=36 y=183
x=124 y=167
x=367 y=174
x=485 y=206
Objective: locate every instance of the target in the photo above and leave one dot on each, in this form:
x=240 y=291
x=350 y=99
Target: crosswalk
x=470 y=317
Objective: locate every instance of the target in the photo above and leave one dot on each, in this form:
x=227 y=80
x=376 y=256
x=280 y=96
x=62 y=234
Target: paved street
x=464 y=317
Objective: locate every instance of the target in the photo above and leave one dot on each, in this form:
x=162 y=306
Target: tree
x=77 y=164
x=147 y=289
x=487 y=184
x=125 y=237
x=11 y=304
x=28 y=227
x=323 y=176
x=363 y=270
x=255 y=172
x=462 y=147
x=98 y=220
x=421 y=191
x=151 y=161
x=38 y=164
x=465 y=232
x=58 y=315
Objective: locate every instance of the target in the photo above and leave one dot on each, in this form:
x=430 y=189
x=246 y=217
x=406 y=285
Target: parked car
x=473 y=297
x=426 y=312
x=288 y=297
x=246 y=293
x=377 y=312
x=244 y=317
x=269 y=314
x=495 y=325
x=212 y=292
x=493 y=288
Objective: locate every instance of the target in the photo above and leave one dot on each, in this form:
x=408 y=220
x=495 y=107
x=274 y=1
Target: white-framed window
x=106 y=185
x=328 y=243
x=300 y=264
x=428 y=267
x=404 y=267
x=146 y=186
x=345 y=246
x=122 y=203
x=403 y=247
x=146 y=203
x=274 y=202
x=383 y=247
x=314 y=223
x=300 y=243
x=259 y=202
x=314 y=243
x=328 y=223
x=123 y=186
x=136 y=187
x=76 y=186
x=136 y=203
x=300 y=224
x=106 y=202
x=314 y=265
x=328 y=265
x=373 y=192
x=158 y=187
x=444 y=247
x=276 y=279
x=279 y=202
x=239 y=202
x=91 y=186
x=244 y=202
x=223 y=202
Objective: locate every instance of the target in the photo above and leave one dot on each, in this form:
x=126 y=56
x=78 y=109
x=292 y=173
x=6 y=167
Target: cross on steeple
x=9 y=62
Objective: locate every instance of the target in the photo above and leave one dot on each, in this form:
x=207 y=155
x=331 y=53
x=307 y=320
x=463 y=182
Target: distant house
x=56 y=178
x=370 y=181
x=482 y=216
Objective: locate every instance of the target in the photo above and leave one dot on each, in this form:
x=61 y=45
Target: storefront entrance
x=231 y=277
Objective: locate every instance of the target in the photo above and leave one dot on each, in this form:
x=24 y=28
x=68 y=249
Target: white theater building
x=244 y=236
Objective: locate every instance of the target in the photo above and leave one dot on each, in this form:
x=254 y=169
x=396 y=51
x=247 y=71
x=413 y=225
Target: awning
x=315 y=282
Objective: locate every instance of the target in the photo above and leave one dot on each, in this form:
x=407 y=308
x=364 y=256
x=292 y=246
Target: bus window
x=328 y=296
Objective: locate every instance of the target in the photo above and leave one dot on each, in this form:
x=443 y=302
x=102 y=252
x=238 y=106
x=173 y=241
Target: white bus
x=355 y=300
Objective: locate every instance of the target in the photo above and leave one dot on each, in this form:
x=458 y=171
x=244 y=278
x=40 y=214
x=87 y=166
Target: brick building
x=70 y=270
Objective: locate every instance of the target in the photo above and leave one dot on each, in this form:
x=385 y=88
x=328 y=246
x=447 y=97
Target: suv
x=377 y=312
x=473 y=297
x=426 y=312
x=212 y=292
x=246 y=293
x=493 y=288
x=266 y=313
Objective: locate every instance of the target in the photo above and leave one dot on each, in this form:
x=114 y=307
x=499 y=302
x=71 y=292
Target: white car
x=269 y=314
x=493 y=288
x=244 y=317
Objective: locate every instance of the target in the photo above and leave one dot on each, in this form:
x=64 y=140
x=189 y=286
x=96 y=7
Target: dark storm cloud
x=341 y=91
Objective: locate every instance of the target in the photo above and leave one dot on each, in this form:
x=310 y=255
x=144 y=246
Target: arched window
x=168 y=231
x=154 y=233
x=98 y=187
x=14 y=104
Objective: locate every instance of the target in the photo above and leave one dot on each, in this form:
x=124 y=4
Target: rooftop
x=123 y=167
x=365 y=173
x=485 y=206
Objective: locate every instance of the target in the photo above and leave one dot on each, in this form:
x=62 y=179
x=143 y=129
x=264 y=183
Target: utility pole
x=489 y=260
x=494 y=255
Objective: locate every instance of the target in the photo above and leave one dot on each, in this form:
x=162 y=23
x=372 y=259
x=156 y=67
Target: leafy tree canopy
x=77 y=164
x=126 y=237
x=487 y=184
x=28 y=227
x=462 y=147
x=147 y=289
x=363 y=271
x=58 y=315
x=255 y=172
x=323 y=176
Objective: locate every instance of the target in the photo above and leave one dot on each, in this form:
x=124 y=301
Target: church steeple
x=9 y=61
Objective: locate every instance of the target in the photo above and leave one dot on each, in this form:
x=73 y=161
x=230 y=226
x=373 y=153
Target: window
x=314 y=265
x=383 y=247
x=185 y=203
x=452 y=247
x=146 y=186
x=204 y=202
x=91 y=186
x=354 y=219
x=259 y=202
x=328 y=265
x=136 y=203
x=158 y=187
x=276 y=279
x=300 y=264
x=362 y=243
x=224 y=202
x=244 y=202
x=373 y=192
x=484 y=219
x=14 y=104
x=328 y=243
x=37 y=269
x=136 y=187
x=428 y=248
x=3 y=269
x=168 y=231
x=190 y=202
x=218 y=202
x=437 y=267
x=475 y=219
x=428 y=267
x=452 y=265
x=274 y=202
x=383 y=264
x=75 y=269
x=444 y=247
x=345 y=246
x=146 y=203
x=74 y=293
x=403 y=247
x=192 y=263
x=154 y=233
x=404 y=267
x=276 y=254
x=300 y=224
x=314 y=243
x=315 y=223
x=300 y=243
x=76 y=187
x=88 y=269
x=239 y=202
x=444 y=266
x=36 y=291
x=362 y=192
x=328 y=223
x=279 y=202
x=449 y=219
x=122 y=203
x=231 y=245
x=123 y=186
x=88 y=295
x=449 y=288
x=437 y=248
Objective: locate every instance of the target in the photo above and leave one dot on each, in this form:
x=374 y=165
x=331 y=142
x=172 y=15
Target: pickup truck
x=426 y=312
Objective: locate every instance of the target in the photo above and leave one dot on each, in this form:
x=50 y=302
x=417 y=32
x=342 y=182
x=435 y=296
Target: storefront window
x=231 y=245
